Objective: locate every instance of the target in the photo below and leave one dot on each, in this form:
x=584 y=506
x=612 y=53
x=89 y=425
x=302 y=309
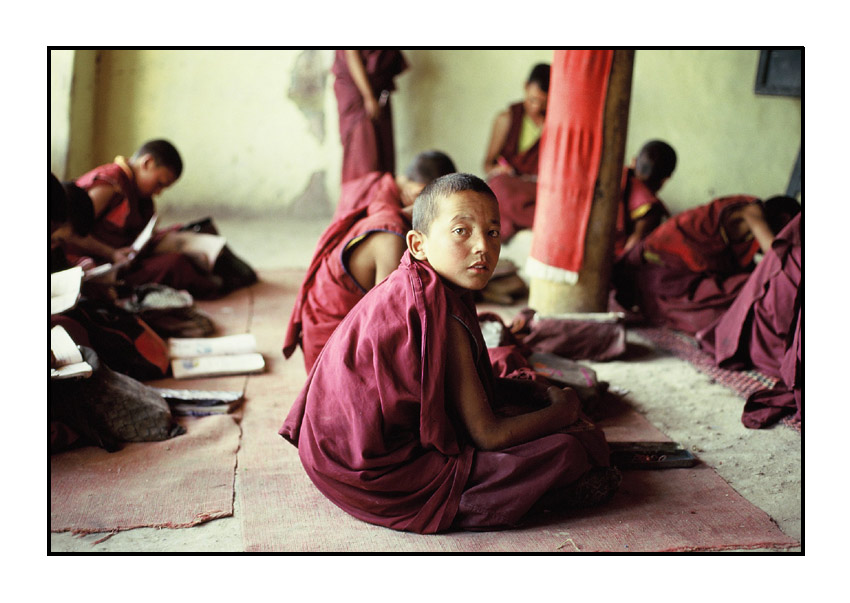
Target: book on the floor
x=650 y=455
x=202 y=247
x=191 y=347
x=193 y=357
x=66 y=359
x=65 y=289
x=217 y=366
x=199 y=402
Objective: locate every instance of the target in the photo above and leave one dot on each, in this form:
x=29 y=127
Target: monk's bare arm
x=754 y=217
x=498 y=136
x=375 y=258
x=489 y=432
x=358 y=73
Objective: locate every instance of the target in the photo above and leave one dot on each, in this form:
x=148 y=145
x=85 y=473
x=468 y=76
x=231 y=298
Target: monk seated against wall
x=640 y=210
x=401 y=422
x=689 y=270
x=513 y=154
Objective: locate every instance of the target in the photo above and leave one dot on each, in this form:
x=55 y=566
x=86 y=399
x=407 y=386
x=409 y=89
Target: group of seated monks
x=403 y=421
x=143 y=295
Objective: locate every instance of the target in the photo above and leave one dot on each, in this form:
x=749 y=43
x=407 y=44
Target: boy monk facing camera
x=401 y=422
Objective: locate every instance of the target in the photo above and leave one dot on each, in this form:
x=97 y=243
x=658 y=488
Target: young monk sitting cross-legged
x=401 y=422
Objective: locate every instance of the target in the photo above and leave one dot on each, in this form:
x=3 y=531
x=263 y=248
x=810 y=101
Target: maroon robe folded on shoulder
x=378 y=436
x=367 y=145
x=516 y=193
x=762 y=330
x=685 y=274
x=328 y=291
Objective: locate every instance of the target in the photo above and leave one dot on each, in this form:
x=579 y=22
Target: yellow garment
x=529 y=133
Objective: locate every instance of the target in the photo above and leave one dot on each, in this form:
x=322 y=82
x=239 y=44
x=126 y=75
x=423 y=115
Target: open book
x=65 y=289
x=66 y=359
x=214 y=356
x=141 y=241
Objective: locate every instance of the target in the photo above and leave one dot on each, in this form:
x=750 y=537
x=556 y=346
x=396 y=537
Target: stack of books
x=192 y=358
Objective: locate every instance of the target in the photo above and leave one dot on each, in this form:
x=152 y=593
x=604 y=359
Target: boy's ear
x=416 y=244
x=147 y=161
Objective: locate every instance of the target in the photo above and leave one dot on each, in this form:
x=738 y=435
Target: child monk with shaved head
x=400 y=422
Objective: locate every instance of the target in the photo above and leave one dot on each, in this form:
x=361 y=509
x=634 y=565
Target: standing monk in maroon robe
x=364 y=81
x=398 y=423
x=689 y=270
x=762 y=330
x=514 y=151
x=361 y=247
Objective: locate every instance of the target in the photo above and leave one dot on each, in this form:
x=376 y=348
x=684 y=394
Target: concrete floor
x=765 y=466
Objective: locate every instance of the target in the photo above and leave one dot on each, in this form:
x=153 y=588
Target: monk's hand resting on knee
x=567 y=402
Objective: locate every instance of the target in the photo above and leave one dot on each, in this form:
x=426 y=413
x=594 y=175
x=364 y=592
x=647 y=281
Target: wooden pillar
x=590 y=292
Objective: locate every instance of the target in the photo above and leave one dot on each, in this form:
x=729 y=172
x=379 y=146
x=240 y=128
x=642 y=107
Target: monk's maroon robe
x=329 y=291
x=367 y=144
x=516 y=193
x=685 y=274
x=124 y=218
x=636 y=202
x=761 y=330
x=377 y=435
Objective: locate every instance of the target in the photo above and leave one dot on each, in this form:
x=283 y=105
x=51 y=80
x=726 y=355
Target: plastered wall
x=258 y=129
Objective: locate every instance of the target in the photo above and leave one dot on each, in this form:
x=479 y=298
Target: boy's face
x=464 y=240
x=151 y=178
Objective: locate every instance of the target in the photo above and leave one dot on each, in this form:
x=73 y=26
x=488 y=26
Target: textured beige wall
x=251 y=145
x=61 y=74
x=728 y=139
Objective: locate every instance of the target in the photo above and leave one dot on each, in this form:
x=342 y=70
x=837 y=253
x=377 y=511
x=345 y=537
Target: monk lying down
x=399 y=423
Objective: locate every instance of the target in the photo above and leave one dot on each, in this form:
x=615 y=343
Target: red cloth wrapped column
x=571 y=151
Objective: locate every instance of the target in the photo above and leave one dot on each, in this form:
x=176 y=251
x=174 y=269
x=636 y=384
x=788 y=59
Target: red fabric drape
x=570 y=154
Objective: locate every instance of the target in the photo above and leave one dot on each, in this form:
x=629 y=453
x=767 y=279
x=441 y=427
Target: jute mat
x=281 y=510
x=175 y=483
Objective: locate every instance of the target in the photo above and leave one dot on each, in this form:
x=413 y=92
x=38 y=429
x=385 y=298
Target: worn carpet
x=179 y=482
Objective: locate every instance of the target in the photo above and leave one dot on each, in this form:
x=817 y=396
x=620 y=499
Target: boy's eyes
x=462 y=231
